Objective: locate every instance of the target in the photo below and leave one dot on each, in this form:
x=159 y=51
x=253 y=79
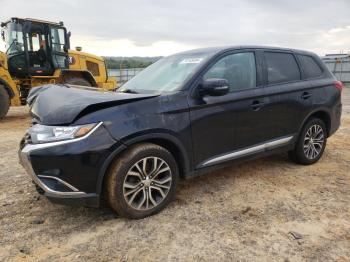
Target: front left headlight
x=44 y=134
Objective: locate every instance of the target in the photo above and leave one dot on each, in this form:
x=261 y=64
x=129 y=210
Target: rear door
x=290 y=97
x=316 y=77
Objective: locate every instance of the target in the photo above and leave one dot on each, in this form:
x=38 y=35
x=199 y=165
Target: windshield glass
x=14 y=38
x=166 y=75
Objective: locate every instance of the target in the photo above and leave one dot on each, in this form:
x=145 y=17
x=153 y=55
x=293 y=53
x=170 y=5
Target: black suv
x=183 y=115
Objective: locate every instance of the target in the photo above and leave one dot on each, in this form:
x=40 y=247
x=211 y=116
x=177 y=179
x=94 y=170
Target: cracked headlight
x=44 y=134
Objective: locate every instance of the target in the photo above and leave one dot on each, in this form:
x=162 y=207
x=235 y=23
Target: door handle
x=256 y=105
x=306 y=95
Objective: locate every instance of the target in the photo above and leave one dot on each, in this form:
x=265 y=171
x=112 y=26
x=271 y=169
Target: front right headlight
x=43 y=134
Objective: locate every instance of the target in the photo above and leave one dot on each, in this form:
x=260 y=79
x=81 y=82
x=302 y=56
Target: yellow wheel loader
x=38 y=53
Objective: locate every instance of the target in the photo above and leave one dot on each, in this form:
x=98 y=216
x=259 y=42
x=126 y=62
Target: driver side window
x=238 y=69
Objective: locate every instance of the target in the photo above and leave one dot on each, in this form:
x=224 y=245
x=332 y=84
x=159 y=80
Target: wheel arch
x=321 y=114
x=79 y=73
x=167 y=141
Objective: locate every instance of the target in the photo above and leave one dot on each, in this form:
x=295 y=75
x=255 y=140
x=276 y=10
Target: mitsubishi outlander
x=185 y=114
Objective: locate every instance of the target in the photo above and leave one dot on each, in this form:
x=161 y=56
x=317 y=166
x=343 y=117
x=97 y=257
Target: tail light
x=338 y=85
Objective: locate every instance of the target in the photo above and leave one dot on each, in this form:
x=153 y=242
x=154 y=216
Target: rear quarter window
x=310 y=66
x=281 y=67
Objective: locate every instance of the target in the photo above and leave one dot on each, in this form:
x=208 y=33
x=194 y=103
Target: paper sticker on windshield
x=191 y=61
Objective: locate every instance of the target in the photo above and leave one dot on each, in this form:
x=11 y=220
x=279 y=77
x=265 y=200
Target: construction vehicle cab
x=35 y=48
x=38 y=53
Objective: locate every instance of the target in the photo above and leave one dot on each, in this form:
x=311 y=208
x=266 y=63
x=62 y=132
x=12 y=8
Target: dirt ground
x=265 y=210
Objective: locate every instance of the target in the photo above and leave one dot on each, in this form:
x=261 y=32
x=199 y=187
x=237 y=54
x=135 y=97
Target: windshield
x=166 y=75
x=14 y=38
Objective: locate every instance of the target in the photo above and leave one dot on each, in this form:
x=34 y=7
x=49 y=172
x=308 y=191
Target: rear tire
x=4 y=102
x=311 y=143
x=142 y=181
x=77 y=81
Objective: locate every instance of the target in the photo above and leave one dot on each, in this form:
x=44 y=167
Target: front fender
x=138 y=138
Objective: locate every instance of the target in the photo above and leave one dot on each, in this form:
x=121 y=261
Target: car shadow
x=195 y=187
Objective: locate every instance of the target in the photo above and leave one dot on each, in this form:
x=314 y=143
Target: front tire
x=311 y=143
x=142 y=181
x=77 y=81
x=4 y=102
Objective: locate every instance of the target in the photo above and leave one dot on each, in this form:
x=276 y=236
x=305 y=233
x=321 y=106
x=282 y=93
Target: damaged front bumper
x=54 y=188
x=67 y=172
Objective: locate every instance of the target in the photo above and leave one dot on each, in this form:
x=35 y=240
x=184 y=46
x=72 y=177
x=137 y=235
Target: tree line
x=129 y=62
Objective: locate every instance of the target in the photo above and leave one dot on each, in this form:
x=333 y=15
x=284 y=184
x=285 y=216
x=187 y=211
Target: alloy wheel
x=313 y=141
x=147 y=183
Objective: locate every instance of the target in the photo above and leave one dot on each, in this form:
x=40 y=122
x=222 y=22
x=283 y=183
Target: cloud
x=127 y=47
x=197 y=23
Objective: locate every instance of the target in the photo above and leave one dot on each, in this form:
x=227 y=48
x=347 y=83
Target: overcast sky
x=162 y=27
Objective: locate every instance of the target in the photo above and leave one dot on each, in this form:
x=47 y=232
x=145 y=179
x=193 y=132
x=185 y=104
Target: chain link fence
x=339 y=64
x=124 y=75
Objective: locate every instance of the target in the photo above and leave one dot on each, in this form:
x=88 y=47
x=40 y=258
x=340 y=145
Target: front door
x=37 y=47
x=59 y=47
x=224 y=127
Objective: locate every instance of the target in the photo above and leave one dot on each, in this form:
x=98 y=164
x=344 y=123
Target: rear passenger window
x=281 y=67
x=238 y=69
x=310 y=67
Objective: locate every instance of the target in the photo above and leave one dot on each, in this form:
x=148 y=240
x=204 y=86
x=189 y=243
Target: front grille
x=22 y=143
x=28 y=139
x=25 y=140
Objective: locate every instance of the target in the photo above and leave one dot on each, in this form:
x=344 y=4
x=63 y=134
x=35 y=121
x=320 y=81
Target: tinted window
x=281 y=67
x=310 y=67
x=238 y=69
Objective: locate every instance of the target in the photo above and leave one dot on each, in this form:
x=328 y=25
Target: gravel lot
x=267 y=209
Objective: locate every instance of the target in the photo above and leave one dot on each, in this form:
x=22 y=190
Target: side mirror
x=65 y=48
x=214 y=87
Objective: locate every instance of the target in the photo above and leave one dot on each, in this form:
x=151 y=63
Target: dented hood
x=63 y=104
